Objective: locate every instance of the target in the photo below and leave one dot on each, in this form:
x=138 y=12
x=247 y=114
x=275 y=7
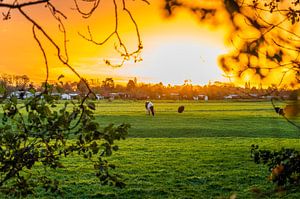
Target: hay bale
x=180 y=109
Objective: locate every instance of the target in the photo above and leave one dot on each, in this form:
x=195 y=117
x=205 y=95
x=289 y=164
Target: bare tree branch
x=17 y=5
x=44 y=54
x=90 y=11
x=120 y=47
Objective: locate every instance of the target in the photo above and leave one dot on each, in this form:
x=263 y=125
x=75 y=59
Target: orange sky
x=175 y=49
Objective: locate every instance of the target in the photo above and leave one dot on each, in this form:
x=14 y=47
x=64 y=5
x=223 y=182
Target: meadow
x=203 y=152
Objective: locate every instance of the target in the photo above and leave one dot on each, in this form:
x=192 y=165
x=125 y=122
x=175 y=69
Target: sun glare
x=178 y=59
x=175 y=50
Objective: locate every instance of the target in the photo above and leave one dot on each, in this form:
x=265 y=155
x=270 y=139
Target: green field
x=212 y=119
x=203 y=152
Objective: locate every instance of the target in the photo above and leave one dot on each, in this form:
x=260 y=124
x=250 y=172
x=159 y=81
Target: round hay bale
x=180 y=109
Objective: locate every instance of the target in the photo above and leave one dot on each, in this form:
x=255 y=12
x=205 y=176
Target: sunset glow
x=149 y=98
x=175 y=49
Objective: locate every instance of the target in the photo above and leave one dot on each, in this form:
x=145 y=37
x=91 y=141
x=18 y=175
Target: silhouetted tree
x=82 y=88
x=108 y=84
x=41 y=135
x=265 y=37
x=130 y=85
x=21 y=81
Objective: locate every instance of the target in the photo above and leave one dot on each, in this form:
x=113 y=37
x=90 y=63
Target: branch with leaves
x=120 y=47
x=42 y=134
x=264 y=35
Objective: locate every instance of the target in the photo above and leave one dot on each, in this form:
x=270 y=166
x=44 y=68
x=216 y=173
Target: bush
x=284 y=164
x=40 y=130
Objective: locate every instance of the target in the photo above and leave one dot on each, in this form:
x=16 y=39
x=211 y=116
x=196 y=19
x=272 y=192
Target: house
x=253 y=95
x=175 y=96
x=66 y=96
x=14 y=94
x=74 y=95
x=267 y=97
x=99 y=97
x=201 y=97
x=232 y=96
x=21 y=94
x=205 y=98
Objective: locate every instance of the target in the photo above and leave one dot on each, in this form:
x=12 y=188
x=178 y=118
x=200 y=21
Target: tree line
x=109 y=89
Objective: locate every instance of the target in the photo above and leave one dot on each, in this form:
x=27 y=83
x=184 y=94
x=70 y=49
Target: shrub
x=40 y=130
x=284 y=165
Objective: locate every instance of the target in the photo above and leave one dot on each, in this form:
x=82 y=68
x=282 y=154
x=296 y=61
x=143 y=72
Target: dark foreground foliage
x=37 y=132
x=284 y=164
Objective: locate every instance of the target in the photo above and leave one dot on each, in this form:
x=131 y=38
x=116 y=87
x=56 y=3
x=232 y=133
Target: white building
x=65 y=96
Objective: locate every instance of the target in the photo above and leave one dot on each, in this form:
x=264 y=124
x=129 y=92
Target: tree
x=108 y=84
x=130 y=85
x=264 y=35
x=67 y=87
x=42 y=134
x=21 y=81
x=81 y=87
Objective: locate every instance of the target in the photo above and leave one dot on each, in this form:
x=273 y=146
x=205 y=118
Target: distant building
x=74 y=95
x=206 y=98
x=21 y=94
x=65 y=96
x=174 y=95
x=254 y=95
x=232 y=96
x=201 y=97
x=99 y=97
x=267 y=97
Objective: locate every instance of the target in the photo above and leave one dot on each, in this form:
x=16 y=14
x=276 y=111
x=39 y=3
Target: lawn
x=200 y=119
x=203 y=152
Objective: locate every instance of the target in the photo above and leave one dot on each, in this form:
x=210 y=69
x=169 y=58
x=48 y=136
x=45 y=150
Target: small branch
x=21 y=5
x=91 y=11
x=60 y=57
x=44 y=55
x=121 y=47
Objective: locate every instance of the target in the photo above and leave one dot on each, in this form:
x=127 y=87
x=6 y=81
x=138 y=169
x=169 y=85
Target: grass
x=178 y=168
x=215 y=119
x=202 y=153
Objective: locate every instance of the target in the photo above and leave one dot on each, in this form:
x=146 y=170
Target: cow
x=149 y=107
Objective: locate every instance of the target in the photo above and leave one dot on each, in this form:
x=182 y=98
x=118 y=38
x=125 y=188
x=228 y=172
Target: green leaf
x=92 y=105
x=112 y=166
x=115 y=148
x=2 y=89
x=14 y=100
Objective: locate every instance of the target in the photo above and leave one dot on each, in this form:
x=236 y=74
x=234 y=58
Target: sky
x=175 y=49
